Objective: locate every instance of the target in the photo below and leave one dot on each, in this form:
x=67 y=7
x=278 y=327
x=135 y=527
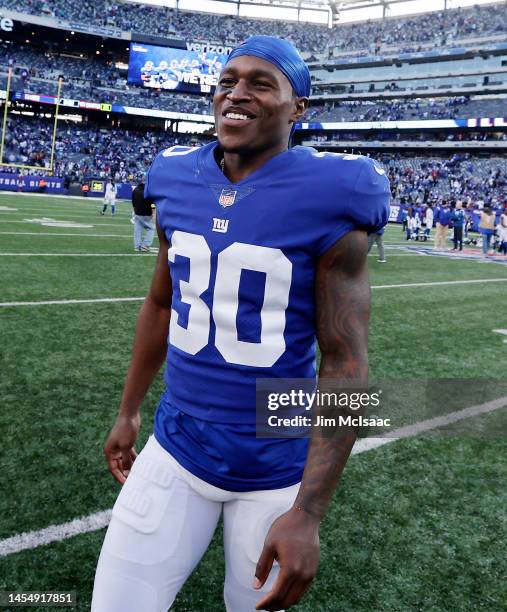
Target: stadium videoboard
x=173 y=69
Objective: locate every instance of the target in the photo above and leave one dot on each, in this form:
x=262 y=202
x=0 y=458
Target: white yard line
x=124 y=213
x=54 y=533
x=133 y=299
x=408 y=431
x=98 y=520
x=135 y=254
x=66 y=302
x=440 y=283
x=97 y=222
x=501 y=331
x=74 y=235
x=55 y=195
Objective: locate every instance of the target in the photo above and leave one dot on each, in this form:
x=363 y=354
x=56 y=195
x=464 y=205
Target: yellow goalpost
x=49 y=170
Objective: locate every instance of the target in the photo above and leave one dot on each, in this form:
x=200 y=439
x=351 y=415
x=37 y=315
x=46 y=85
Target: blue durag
x=283 y=55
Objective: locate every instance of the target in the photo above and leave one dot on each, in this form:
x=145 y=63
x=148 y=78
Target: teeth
x=236 y=116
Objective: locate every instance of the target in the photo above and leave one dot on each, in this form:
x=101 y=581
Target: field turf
x=418 y=524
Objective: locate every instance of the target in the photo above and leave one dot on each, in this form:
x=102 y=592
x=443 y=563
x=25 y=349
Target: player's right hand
x=119 y=447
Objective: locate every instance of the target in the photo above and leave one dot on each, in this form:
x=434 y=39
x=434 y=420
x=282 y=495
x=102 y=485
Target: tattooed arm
x=343 y=312
x=342 y=295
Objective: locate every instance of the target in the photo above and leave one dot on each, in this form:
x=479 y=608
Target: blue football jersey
x=242 y=261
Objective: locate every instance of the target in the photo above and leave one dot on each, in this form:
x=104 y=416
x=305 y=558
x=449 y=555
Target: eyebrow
x=253 y=74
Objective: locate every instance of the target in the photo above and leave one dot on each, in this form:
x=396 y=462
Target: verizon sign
x=6 y=24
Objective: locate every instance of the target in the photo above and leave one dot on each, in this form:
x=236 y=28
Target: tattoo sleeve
x=342 y=294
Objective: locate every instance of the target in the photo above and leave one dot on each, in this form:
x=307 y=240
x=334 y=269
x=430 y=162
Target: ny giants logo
x=220 y=225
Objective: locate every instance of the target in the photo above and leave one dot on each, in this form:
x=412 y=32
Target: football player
x=262 y=250
x=147 y=71
x=110 y=197
x=167 y=76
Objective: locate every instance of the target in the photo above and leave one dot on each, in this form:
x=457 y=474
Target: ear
x=300 y=106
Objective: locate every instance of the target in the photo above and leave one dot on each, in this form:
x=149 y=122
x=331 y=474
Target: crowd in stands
x=49 y=62
x=84 y=151
x=89 y=151
x=88 y=78
x=460 y=107
x=396 y=136
x=407 y=33
x=474 y=181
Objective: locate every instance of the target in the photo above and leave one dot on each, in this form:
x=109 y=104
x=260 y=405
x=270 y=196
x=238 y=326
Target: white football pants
x=162 y=524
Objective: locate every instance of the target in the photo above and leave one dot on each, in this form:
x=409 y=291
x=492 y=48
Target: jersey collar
x=212 y=173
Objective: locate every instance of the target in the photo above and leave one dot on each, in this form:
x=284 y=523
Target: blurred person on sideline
x=378 y=239
x=502 y=232
x=414 y=225
x=443 y=220
x=487 y=228
x=110 y=197
x=407 y=222
x=458 y=222
x=428 y=220
x=143 y=220
x=404 y=219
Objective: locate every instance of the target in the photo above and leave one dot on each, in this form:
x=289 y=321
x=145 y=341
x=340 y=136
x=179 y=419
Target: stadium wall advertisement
x=172 y=69
x=474 y=122
x=47 y=21
x=208 y=47
x=19 y=182
x=109 y=108
x=31 y=183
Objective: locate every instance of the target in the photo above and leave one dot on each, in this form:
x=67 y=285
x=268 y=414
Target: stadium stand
x=448 y=27
x=396 y=110
x=90 y=144
x=386 y=135
x=88 y=77
x=422 y=180
x=36 y=71
x=100 y=77
x=85 y=151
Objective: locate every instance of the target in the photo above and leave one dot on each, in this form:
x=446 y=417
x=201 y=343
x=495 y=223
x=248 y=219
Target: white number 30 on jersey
x=231 y=261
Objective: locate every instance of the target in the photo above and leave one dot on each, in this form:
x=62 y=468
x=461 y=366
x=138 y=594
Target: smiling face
x=255 y=107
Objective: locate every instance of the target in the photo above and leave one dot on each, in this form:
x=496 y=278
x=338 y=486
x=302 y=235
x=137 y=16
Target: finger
x=263 y=567
x=273 y=599
x=115 y=467
x=127 y=460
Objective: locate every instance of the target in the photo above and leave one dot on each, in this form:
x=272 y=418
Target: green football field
x=419 y=523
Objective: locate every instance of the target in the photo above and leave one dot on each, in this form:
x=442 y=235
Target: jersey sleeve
x=160 y=176
x=152 y=188
x=366 y=205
